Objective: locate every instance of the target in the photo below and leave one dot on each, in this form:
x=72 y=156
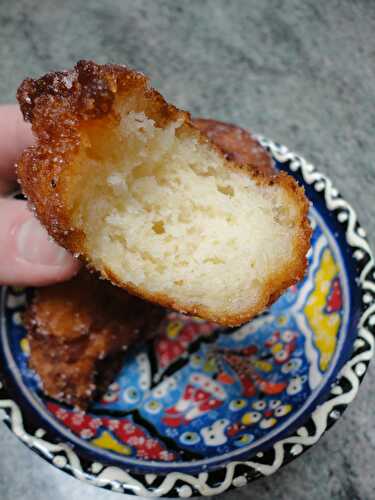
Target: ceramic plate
x=199 y=409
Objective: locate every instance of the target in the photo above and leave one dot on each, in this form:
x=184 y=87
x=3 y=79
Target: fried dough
x=126 y=181
x=79 y=332
x=237 y=144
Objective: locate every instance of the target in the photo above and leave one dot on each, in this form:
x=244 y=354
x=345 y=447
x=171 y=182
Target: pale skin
x=28 y=256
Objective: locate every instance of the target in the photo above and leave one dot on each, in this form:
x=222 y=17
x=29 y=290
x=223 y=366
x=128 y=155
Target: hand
x=27 y=255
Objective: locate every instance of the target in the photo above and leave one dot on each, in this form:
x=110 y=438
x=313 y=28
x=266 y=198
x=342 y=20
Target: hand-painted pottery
x=199 y=409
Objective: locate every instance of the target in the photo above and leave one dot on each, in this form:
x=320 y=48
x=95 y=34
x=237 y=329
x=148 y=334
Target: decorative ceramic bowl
x=199 y=409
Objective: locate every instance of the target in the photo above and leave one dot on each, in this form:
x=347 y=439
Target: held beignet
x=126 y=180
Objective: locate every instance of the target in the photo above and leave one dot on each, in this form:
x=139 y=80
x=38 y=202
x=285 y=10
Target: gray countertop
x=301 y=73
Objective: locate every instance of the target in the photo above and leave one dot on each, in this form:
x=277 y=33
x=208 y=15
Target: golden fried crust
x=61 y=106
x=237 y=144
x=58 y=106
x=79 y=332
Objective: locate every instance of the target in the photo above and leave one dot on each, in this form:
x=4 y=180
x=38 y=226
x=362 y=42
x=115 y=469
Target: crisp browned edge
x=29 y=319
x=61 y=104
x=237 y=140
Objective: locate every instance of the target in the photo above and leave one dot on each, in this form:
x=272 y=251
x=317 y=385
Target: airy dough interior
x=163 y=211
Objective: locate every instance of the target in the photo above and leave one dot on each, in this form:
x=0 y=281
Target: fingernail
x=35 y=246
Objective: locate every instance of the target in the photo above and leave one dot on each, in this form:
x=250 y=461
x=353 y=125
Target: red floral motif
x=201 y=395
x=334 y=301
x=251 y=370
x=251 y=380
x=124 y=430
x=179 y=333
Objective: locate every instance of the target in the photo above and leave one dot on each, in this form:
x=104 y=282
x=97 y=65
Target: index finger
x=15 y=136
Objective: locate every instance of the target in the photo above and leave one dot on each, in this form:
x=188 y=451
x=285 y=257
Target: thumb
x=27 y=255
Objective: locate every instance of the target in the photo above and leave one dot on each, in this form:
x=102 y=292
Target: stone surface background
x=301 y=73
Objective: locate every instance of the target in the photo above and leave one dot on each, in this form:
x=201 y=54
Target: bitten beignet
x=127 y=181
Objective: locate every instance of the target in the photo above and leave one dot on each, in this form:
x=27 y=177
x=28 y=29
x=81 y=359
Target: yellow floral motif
x=210 y=365
x=325 y=326
x=109 y=443
x=25 y=346
x=282 y=320
x=265 y=366
x=250 y=418
x=276 y=348
x=197 y=320
x=174 y=328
